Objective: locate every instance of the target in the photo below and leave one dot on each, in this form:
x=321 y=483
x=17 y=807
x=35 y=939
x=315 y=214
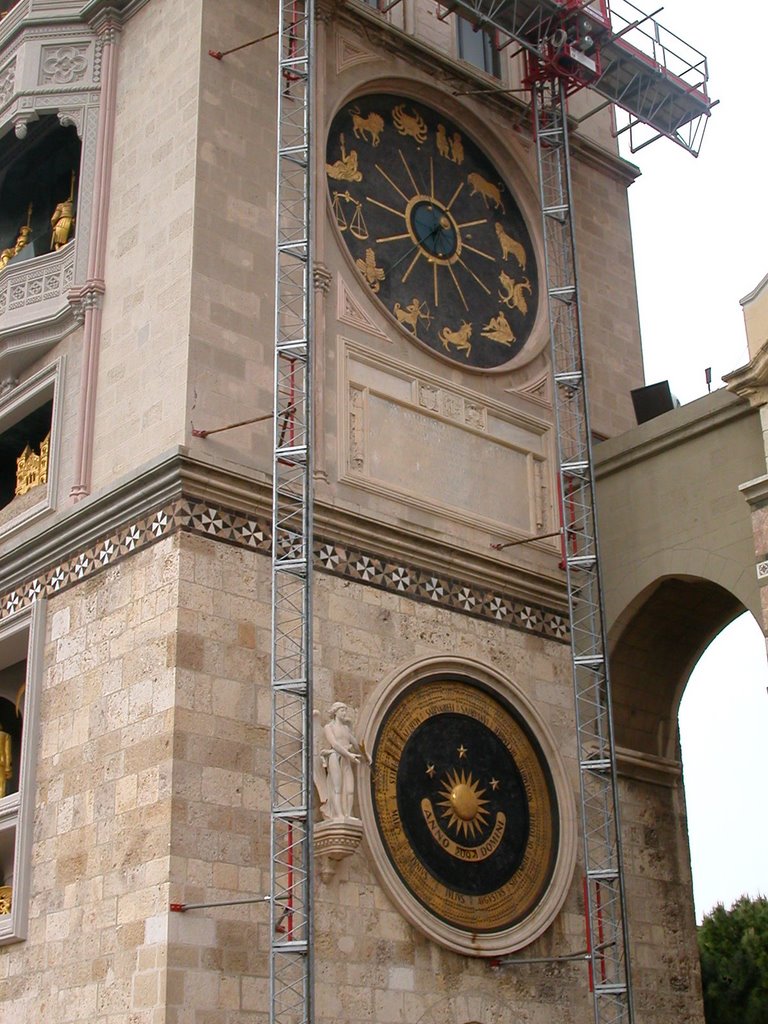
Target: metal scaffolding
x=601 y=832
x=291 y=823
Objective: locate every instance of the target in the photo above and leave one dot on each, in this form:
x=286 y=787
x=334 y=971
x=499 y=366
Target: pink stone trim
x=94 y=285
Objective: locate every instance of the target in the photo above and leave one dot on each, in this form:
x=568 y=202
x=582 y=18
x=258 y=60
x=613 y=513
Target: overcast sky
x=700 y=229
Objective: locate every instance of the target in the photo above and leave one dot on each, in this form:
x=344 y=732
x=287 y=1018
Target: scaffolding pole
x=605 y=908
x=291 y=663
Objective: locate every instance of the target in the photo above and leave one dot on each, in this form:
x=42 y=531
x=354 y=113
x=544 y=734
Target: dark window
x=38 y=176
x=476 y=46
x=29 y=435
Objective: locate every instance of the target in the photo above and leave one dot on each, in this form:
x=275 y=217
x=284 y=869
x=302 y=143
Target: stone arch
x=655 y=644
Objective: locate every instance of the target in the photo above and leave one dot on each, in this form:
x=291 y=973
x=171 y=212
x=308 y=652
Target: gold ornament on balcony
x=6 y=763
x=6 y=255
x=63 y=219
x=32 y=468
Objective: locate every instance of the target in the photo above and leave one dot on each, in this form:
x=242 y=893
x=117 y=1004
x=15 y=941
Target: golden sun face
x=463 y=804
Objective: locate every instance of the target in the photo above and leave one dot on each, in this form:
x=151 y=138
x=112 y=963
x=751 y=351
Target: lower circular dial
x=465 y=805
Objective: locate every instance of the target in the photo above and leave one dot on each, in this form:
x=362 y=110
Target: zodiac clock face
x=465 y=807
x=433 y=229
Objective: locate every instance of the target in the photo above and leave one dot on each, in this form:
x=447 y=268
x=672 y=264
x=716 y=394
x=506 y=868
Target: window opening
x=38 y=191
x=20 y=665
x=24 y=453
x=478 y=47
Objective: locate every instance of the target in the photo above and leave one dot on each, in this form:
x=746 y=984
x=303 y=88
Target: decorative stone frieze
x=63 y=65
x=7 y=82
x=87 y=548
x=36 y=281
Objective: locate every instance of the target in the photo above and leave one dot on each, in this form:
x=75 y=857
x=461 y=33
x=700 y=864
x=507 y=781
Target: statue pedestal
x=334 y=840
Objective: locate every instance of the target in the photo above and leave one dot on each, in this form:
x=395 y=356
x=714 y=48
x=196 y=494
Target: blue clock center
x=434 y=229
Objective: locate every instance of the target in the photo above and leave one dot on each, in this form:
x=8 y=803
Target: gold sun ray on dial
x=463 y=805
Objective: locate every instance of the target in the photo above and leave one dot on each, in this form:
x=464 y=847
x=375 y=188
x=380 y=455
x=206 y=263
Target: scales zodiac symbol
x=355 y=224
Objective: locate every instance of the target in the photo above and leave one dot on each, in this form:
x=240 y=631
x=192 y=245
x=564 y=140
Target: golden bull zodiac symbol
x=480 y=186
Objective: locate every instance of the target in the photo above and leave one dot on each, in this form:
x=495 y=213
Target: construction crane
x=627 y=59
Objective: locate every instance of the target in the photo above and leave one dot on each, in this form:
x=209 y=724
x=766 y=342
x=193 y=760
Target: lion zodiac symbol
x=362 y=127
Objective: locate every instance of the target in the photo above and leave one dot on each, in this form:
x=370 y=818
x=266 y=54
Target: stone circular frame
x=476 y=845
x=434 y=230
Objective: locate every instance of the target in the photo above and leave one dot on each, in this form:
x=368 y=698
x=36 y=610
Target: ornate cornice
x=751 y=381
x=178 y=493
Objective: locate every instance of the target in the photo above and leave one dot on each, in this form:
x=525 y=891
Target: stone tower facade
x=135 y=582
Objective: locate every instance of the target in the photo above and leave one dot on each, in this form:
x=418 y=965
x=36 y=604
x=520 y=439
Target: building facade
x=137 y=195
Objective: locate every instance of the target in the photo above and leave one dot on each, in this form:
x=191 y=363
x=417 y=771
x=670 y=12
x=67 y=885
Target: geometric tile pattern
x=424 y=585
x=255 y=532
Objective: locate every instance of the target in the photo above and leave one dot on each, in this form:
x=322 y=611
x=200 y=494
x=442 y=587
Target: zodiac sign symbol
x=498 y=329
x=457 y=149
x=372 y=125
x=409 y=124
x=512 y=295
x=412 y=313
x=346 y=168
x=511 y=245
x=356 y=225
x=373 y=275
x=443 y=146
x=486 y=189
x=460 y=339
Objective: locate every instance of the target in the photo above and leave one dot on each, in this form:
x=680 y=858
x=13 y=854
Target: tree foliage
x=733 y=946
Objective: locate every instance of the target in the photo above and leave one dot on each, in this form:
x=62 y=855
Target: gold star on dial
x=494 y=784
x=462 y=751
x=430 y=770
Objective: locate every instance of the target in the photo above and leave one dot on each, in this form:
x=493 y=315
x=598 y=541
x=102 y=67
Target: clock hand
x=419 y=243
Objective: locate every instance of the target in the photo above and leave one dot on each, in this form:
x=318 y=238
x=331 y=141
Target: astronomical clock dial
x=433 y=229
x=465 y=806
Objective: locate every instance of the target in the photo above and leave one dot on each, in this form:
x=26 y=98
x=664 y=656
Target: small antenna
x=708 y=378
